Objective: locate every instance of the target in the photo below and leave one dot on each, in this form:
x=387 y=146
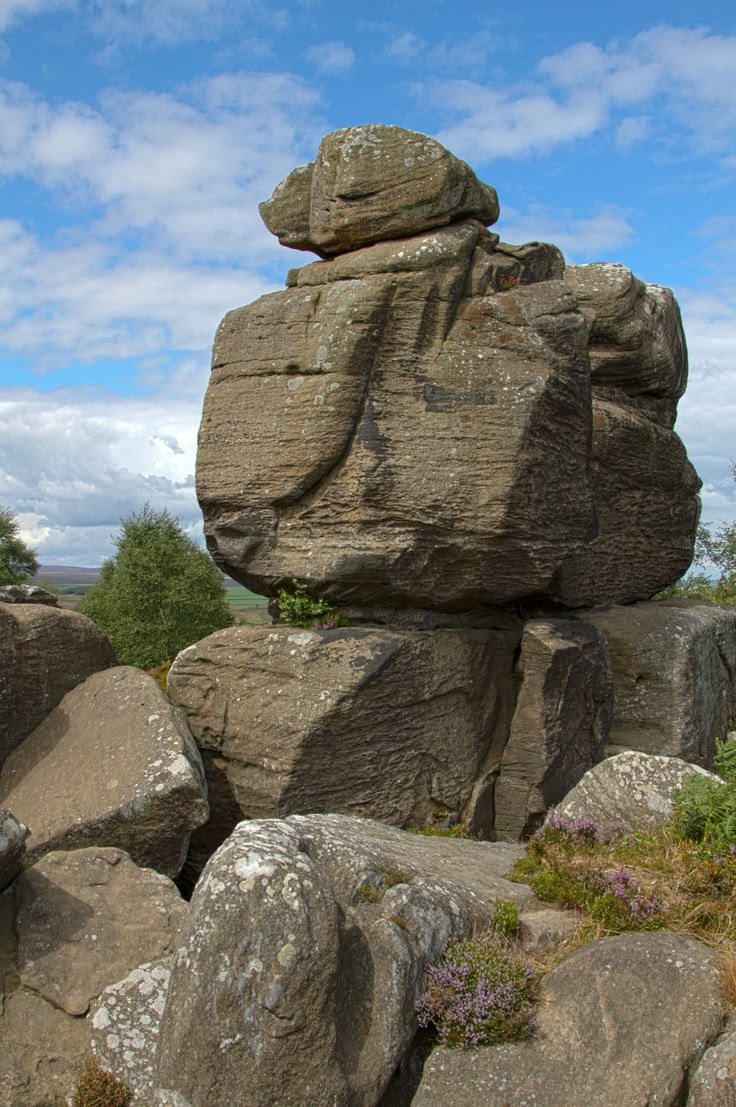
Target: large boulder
x=44 y=653
x=621 y=1021
x=674 y=676
x=302 y=957
x=113 y=765
x=635 y=790
x=382 y=723
x=560 y=726
x=390 y=439
x=713 y=1084
x=373 y=183
x=73 y=924
x=444 y=421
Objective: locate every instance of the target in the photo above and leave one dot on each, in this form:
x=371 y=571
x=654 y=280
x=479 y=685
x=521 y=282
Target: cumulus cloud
x=12 y=11
x=332 y=57
x=685 y=76
x=74 y=461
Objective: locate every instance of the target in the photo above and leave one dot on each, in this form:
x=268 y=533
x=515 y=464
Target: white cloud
x=579 y=238
x=684 y=76
x=73 y=461
x=12 y=11
x=172 y=21
x=332 y=57
x=403 y=47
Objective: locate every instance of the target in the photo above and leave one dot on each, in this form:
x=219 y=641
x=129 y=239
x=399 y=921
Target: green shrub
x=705 y=809
x=505 y=918
x=299 y=609
x=480 y=992
x=98 y=1088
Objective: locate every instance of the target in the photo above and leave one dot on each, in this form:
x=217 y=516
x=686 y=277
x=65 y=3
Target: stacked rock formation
x=435 y=430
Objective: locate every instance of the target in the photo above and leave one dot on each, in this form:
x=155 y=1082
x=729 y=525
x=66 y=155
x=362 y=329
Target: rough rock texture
x=27 y=593
x=44 y=652
x=302 y=954
x=637 y=345
x=124 y=1027
x=372 y=183
x=713 y=1084
x=70 y=926
x=369 y=721
x=632 y=788
x=674 y=675
x=85 y=918
x=560 y=726
x=396 y=441
x=13 y=836
x=620 y=1022
x=548 y=927
x=113 y=765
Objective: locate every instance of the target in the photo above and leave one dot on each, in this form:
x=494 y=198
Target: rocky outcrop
x=620 y=1022
x=560 y=725
x=377 y=722
x=713 y=1084
x=27 y=593
x=83 y=920
x=13 y=836
x=633 y=789
x=113 y=765
x=44 y=653
x=302 y=955
x=373 y=183
x=674 y=676
x=434 y=418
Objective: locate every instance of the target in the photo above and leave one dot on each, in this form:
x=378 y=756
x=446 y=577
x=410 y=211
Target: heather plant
x=98 y=1088
x=480 y=992
x=299 y=609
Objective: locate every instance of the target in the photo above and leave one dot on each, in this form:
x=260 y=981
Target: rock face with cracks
x=302 y=956
x=433 y=418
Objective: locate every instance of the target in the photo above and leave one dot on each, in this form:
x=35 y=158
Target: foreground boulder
x=621 y=1021
x=388 y=429
x=560 y=726
x=713 y=1083
x=387 y=724
x=635 y=790
x=75 y=923
x=302 y=956
x=44 y=652
x=113 y=765
x=674 y=676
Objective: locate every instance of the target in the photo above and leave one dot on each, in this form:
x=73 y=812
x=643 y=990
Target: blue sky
x=137 y=137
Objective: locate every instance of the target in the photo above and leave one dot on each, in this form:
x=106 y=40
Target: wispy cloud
x=581 y=238
x=331 y=57
x=12 y=11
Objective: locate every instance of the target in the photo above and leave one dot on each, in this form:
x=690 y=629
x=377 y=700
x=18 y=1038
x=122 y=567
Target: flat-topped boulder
x=373 y=183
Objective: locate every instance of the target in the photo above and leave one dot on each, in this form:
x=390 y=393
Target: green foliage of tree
x=711 y=548
x=17 y=561
x=159 y=592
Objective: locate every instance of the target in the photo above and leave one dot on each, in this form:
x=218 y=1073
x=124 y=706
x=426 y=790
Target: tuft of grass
x=432 y=831
x=392 y=877
x=480 y=992
x=369 y=893
x=505 y=918
x=159 y=673
x=98 y=1088
x=299 y=609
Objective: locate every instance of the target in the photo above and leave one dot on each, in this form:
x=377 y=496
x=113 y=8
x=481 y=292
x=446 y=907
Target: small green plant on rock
x=479 y=993
x=505 y=918
x=98 y=1088
x=705 y=809
x=299 y=609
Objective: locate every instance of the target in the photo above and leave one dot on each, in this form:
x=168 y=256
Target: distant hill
x=66 y=576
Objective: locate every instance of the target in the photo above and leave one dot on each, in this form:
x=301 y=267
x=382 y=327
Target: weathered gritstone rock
x=13 y=836
x=27 y=593
x=620 y=1022
x=713 y=1084
x=113 y=765
x=302 y=955
x=560 y=726
x=411 y=423
x=44 y=652
x=124 y=1027
x=85 y=918
x=382 y=723
x=71 y=925
x=674 y=676
x=633 y=789
x=373 y=183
